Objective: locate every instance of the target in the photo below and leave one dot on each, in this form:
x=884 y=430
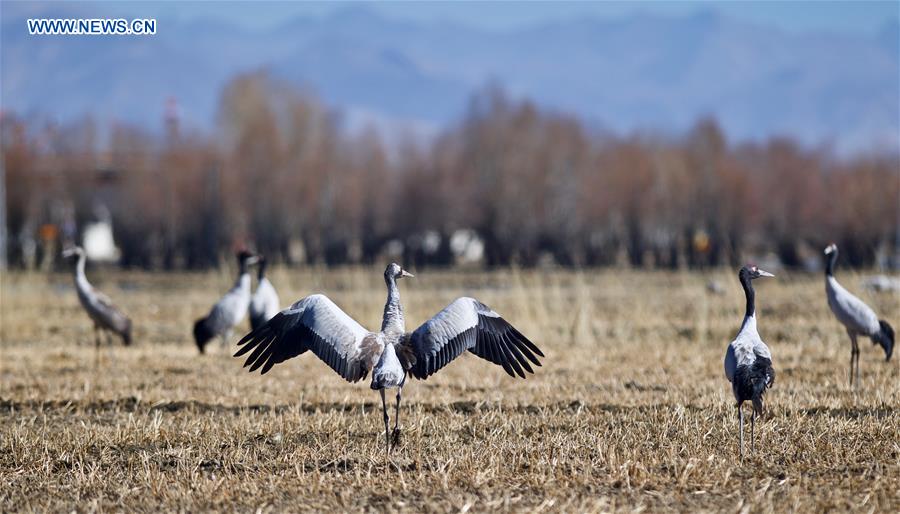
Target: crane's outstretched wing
x=314 y=323
x=467 y=324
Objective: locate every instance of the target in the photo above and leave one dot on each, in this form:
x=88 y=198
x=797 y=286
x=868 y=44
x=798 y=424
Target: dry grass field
x=631 y=410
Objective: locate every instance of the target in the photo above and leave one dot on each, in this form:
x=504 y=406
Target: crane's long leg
x=854 y=359
x=396 y=434
x=387 y=437
x=741 y=421
x=752 y=430
x=96 y=345
x=110 y=341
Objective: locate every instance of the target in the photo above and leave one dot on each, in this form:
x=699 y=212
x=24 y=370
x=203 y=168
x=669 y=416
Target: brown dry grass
x=630 y=411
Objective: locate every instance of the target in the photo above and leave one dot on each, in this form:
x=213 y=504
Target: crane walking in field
x=748 y=362
x=264 y=304
x=315 y=323
x=857 y=317
x=230 y=310
x=106 y=317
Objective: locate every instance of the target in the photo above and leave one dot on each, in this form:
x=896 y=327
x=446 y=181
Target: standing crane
x=857 y=317
x=315 y=323
x=230 y=310
x=107 y=318
x=748 y=362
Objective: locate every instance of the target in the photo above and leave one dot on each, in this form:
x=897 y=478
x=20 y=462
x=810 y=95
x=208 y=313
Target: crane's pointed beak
x=406 y=274
x=68 y=252
x=764 y=273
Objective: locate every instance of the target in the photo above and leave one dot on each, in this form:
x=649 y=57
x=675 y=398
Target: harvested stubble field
x=631 y=410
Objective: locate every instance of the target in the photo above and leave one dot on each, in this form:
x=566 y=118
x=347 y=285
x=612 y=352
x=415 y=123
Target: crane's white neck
x=243 y=281
x=830 y=261
x=81 y=280
x=393 y=311
x=749 y=323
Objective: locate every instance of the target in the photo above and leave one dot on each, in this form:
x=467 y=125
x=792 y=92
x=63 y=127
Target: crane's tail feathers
x=202 y=334
x=885 y=338
x=762 y=379
x=751 y=382
x=758 y=406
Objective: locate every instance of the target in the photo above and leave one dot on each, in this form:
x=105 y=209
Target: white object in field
x=393 y=249
x=467 y=247
x=431 y=242
x=715 y=287
x=881 y=283
x=316 y=324
x=98 y=242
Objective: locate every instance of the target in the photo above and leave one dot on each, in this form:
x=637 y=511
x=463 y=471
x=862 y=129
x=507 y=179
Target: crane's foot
x=395 y=437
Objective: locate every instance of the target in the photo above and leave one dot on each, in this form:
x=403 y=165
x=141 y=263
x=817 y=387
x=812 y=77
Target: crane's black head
x=752 y=272
x=745 y=275
x=395 y=272
x=202 y=334
x=245 y=256
x=246 y=259
x=261 y=263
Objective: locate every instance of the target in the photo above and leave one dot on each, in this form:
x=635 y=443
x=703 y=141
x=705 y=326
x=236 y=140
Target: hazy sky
x=848 y=17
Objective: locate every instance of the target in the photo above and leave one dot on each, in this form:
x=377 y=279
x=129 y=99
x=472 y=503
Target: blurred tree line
x=536 y=187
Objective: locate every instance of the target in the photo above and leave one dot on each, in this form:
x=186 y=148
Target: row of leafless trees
x=282 y=177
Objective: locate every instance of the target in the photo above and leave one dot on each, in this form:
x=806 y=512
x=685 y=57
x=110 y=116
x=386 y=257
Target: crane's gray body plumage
x=98 y=306
x=858 y=318
x=316 y=324
x=264 y=304
x=852 y=312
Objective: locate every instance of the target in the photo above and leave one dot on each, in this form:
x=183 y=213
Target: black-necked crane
x=315 y=323
x=748 y=361
x=857 y=317
x=107 y=318
x=264 y=303
x=230 y=310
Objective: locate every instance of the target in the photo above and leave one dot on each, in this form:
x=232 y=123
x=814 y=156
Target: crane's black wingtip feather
x=244 y=349
x=252 y=336
x=527 y=342
x=250 y=341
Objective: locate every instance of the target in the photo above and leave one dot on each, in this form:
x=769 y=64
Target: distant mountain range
x=638 y=73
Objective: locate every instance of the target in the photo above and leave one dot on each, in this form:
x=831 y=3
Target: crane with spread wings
x=316 y=324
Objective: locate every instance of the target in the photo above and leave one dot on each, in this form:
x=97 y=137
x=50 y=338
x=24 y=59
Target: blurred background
x=643 y=134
